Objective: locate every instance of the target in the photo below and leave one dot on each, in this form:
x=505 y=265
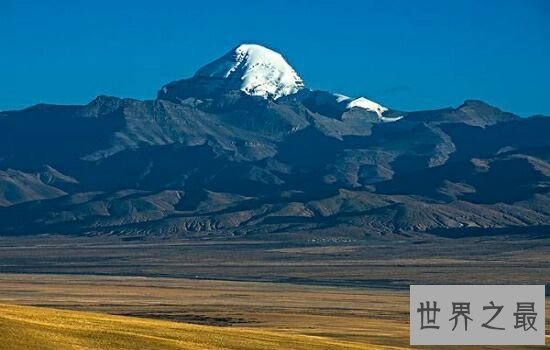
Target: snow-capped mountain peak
x=255 y=70
x=259 y=71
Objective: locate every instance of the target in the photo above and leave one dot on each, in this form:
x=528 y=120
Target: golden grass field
x=342 y=314
x=24 y=327
x=233 y=315
x=237 y=295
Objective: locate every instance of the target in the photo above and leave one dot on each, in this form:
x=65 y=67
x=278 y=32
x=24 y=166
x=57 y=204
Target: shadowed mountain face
x=225 y=161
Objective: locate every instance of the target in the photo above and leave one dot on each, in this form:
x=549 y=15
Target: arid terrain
x=393 y=263
x=354 y=294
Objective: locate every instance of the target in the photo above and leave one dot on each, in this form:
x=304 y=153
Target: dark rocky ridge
x=198 y=163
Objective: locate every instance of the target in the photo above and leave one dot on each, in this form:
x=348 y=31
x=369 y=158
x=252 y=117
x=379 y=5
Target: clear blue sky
x=405 y=54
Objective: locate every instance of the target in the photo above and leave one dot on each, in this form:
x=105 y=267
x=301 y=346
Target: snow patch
x=341 y=98
x=369 y=105
x=364 y=103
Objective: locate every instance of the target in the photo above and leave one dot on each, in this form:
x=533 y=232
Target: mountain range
x=245 y=148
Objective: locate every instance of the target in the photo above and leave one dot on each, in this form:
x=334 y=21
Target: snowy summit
x=255 y=70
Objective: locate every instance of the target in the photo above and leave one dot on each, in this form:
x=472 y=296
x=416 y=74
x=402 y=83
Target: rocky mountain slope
x=245 y=148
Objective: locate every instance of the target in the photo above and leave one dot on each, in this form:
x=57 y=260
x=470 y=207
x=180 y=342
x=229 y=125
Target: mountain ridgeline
x=244 y=148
